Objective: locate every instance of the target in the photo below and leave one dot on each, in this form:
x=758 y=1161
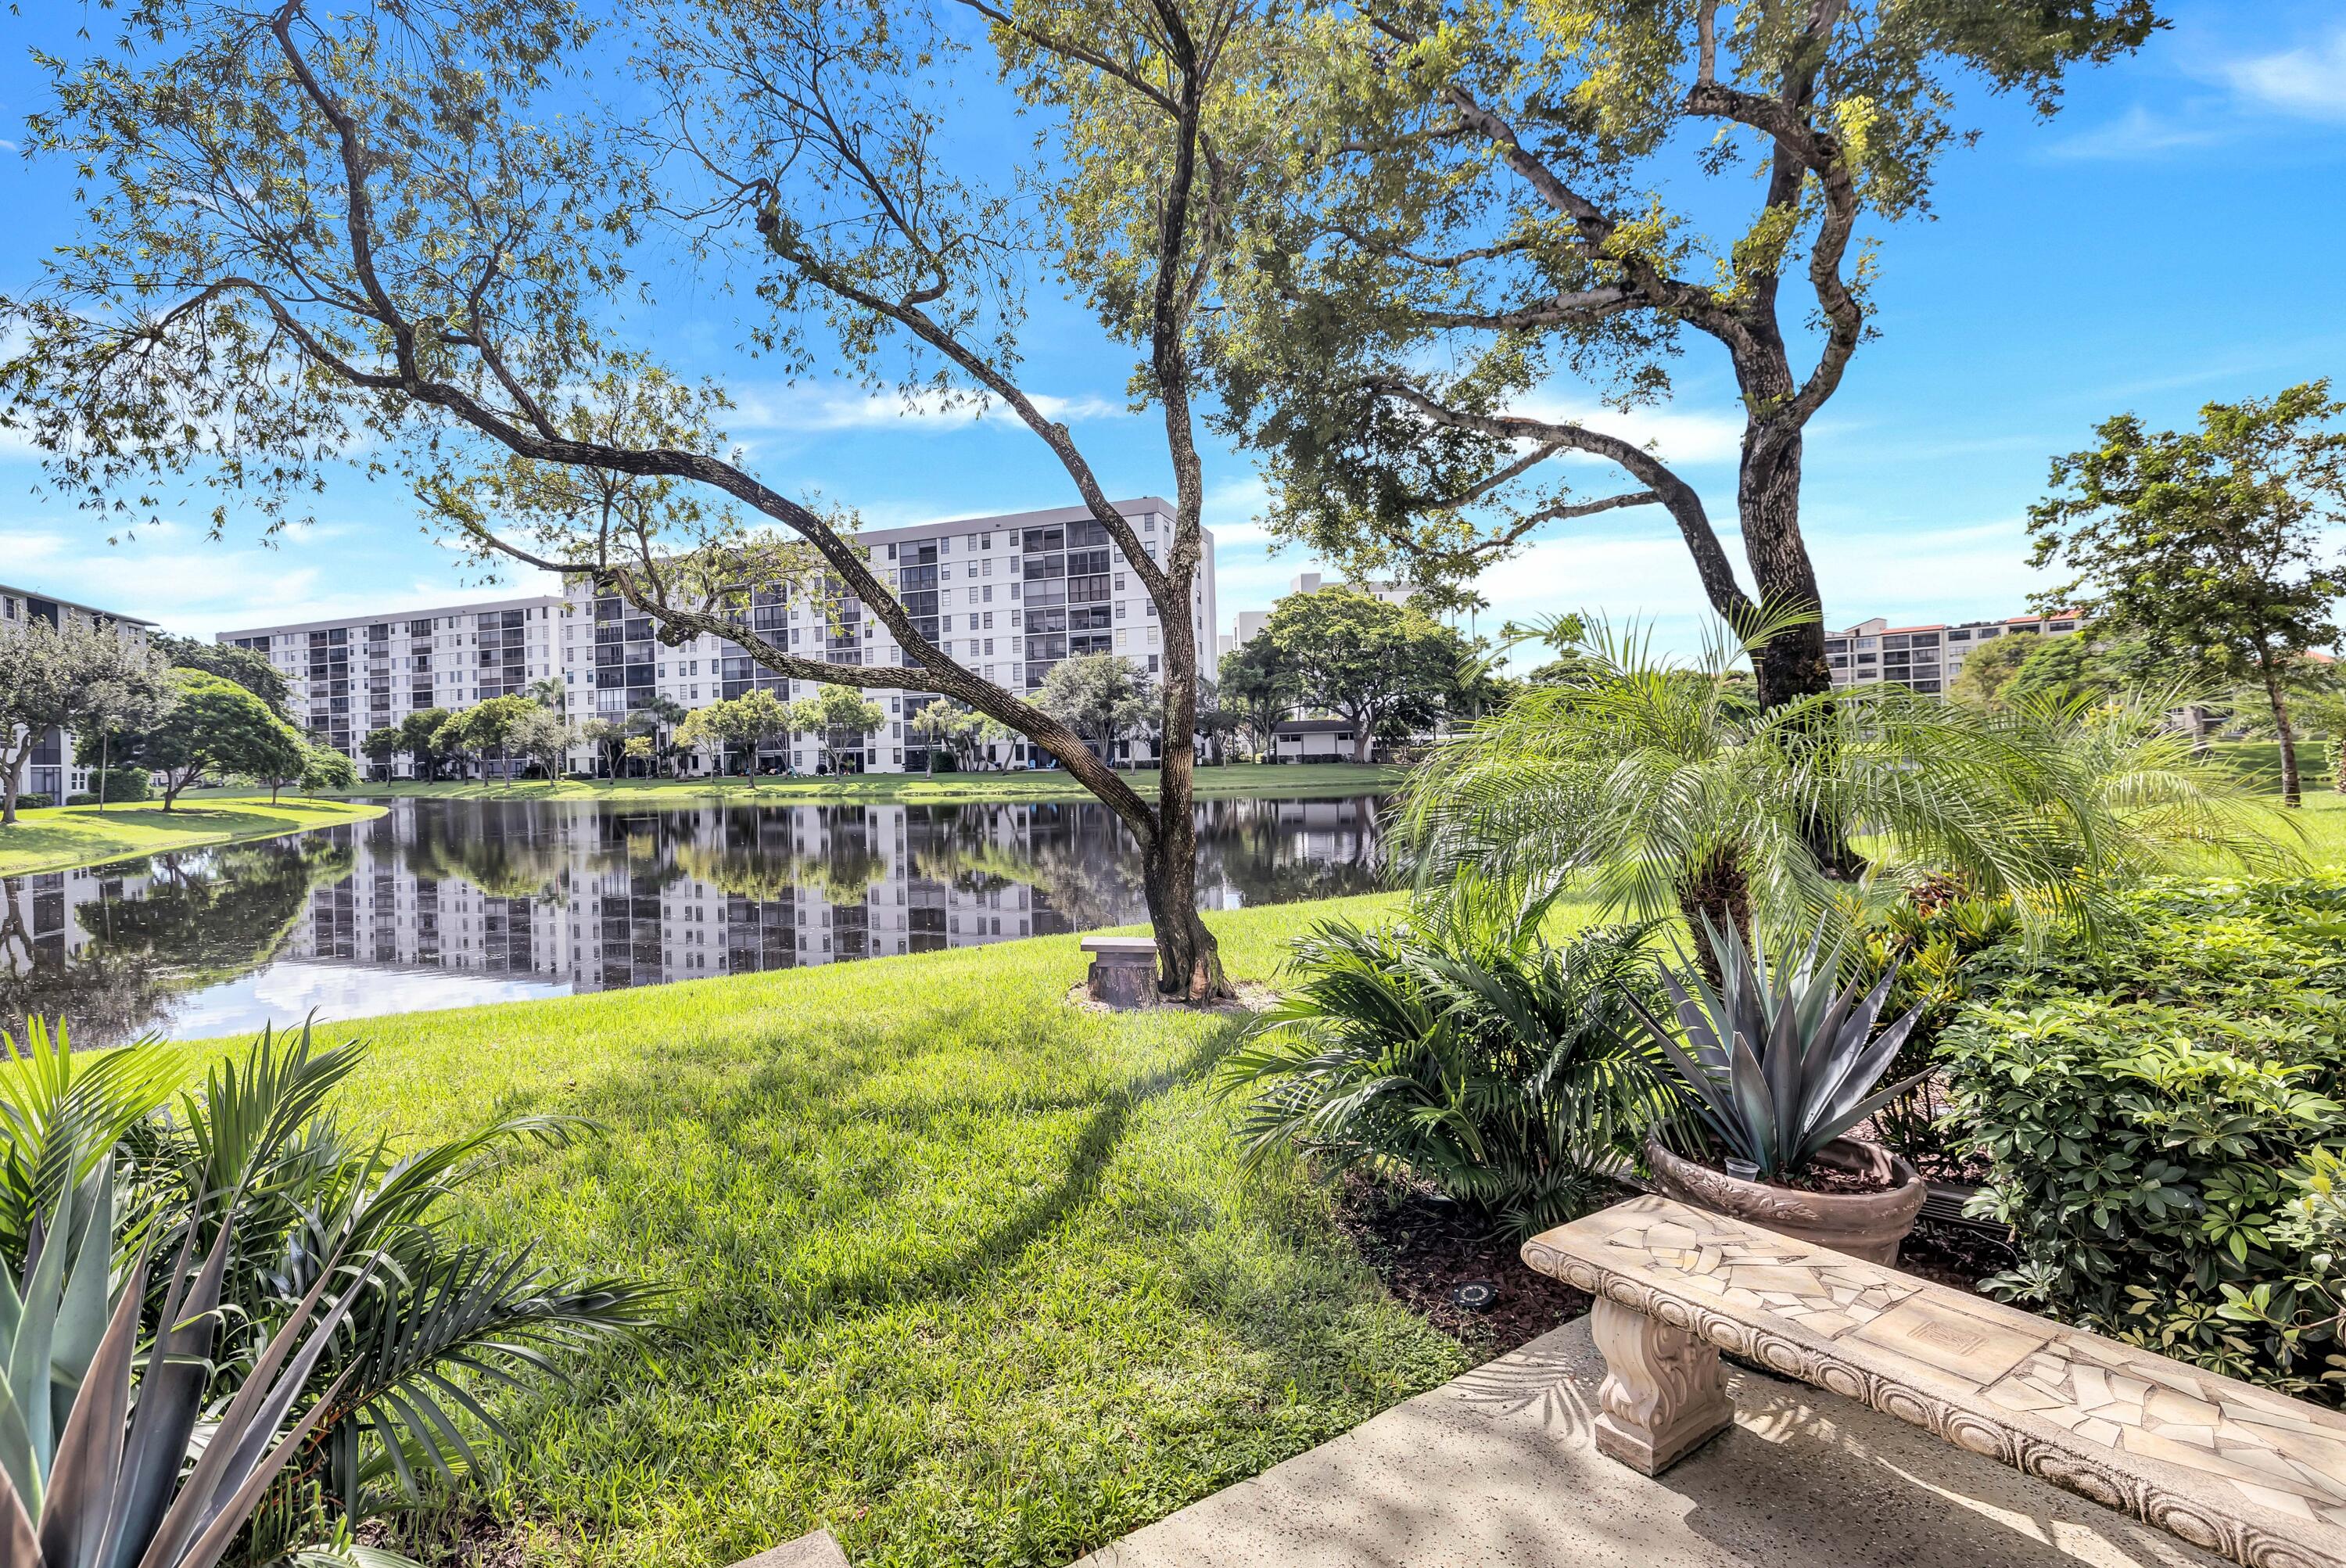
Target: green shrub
x=35 y=800
x=122 y=785
x=2159 y=1118
x=1461 y=1053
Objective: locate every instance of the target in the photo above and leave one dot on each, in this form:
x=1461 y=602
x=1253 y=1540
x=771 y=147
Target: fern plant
x=1461 y=1052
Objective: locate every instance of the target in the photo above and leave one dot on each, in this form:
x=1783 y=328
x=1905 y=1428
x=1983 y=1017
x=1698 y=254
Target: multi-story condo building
x=1923 y=658
x=1009 y=597
x=351 y=676
x=51 y=769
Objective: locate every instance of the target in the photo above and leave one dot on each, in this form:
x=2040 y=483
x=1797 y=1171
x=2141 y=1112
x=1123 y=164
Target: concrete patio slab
x=1498 y=1470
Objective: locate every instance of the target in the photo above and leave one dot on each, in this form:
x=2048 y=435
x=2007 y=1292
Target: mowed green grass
x=58 y=837
x=966 y=1273
x=1047 y=784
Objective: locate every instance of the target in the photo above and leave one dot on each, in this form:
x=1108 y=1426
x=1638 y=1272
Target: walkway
x=1496 y=1470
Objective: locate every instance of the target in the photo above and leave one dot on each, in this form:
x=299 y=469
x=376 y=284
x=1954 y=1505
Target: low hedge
x=2161 y=1114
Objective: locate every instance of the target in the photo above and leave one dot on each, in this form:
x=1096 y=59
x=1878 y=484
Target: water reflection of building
x=614 y=899
x=438 y=903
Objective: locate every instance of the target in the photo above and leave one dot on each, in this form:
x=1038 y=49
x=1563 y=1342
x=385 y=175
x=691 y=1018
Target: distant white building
x=1251 y=622
x=1923 y=657
x=1008 y=597
x=51 y=769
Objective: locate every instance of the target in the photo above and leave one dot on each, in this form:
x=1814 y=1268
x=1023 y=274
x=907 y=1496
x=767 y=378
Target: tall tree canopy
x=1502 y=234
x=248 y=667
x=1385 y=667
x=2213 y=547
x=388 y=229
x=79 y=673
x=214 y=727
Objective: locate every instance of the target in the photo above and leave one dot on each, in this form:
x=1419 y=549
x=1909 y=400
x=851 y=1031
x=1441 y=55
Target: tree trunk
x=1189 y=960
x=1359 y=741
x=2340 y=767
x=12 y=782
x=1715 y=891
x=2290 y=795
x=1792 y=665
x=173 y=782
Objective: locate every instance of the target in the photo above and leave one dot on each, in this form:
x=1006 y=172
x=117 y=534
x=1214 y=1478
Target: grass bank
x=60 y=837
x=1236 y=778
x=966 y=1273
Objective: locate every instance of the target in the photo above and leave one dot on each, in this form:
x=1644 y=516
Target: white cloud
x=815 y=410
x=2306 y=83
x=1679 y=435
x=2137 y=133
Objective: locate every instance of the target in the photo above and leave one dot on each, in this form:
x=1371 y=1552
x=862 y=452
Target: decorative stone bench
x=1124 y=970
x=2254 y=1475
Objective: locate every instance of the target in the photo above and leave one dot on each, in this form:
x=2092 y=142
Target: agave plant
x=1778 y=1058
x=1461 y=1053
x=97 y=1439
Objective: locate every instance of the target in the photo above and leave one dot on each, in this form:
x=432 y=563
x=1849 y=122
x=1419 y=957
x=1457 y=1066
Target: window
x=987 y=590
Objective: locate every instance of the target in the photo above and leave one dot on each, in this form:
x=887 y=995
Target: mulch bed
x=1424 y=1247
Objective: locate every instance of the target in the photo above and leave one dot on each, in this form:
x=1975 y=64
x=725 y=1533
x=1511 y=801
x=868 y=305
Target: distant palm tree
x=1657 y=785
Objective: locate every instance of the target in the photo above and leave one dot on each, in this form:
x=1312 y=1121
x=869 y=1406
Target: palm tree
x=1657 y=785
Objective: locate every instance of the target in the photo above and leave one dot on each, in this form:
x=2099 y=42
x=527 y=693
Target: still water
x=446 y=903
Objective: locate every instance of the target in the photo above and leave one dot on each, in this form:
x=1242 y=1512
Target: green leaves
x=2160 y=1116
x=1458 y=1051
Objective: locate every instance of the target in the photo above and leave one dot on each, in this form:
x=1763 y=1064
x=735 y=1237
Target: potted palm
x=1777 y=1062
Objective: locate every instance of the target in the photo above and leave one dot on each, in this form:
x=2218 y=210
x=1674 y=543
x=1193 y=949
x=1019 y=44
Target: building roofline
x=125 y=618
x=528 y=601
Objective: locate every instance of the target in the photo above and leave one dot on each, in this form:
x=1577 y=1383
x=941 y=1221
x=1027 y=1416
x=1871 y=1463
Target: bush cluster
x=2161 y=1113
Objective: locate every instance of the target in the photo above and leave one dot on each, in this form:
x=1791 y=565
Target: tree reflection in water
x=440 y=902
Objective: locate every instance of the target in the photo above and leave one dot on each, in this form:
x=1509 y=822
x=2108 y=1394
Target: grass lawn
x=967 y=1274
x=58 y=837
x=1234 y=779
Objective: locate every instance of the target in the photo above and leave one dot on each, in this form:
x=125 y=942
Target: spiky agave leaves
x=1777 y=1059
x=113 y=1488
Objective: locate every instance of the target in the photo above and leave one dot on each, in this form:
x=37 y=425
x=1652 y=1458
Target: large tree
x=77 y=674
x=2215 y=547
x=248 y=667
x=1384 y=668
x=1259 y=685
x=214 y=727
x=1104 y=697
x=386 y=229
x=1503 y=233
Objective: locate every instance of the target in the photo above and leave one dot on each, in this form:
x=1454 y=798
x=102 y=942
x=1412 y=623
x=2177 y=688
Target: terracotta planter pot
x=1868 y=1225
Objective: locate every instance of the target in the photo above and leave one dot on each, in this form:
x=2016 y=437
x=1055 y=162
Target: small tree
x=1378 y=666
x=1986 y=669
x=486 y=727
x=274 y=758
x=325 y=769
x=135 y=693
x=419 y=736
x=542 y=736
x=1258 y=684
x=657 y=719
x=940 y=723
x=215 y=726
x=609 y=737
x=838 y=719
x=49 y=676
x=2214 y=546
x=381 y=745
x=1101 y=696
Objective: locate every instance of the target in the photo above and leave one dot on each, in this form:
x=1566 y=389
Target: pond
x=448 y=904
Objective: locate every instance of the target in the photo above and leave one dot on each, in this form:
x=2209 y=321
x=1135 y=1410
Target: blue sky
x=2174 y=235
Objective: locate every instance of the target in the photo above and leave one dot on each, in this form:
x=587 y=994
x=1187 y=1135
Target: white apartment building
x=1924 y=657
x=51 y=769
x=1008 y=597
x=350 y=677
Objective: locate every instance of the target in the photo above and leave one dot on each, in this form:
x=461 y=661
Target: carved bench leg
x=1663 y=1395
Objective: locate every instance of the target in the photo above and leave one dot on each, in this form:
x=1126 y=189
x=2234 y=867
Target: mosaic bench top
x=2254 y=1475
